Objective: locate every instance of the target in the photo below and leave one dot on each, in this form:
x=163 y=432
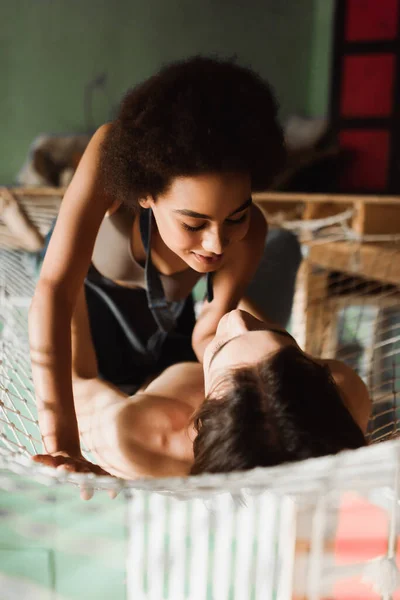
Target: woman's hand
x=73 y=464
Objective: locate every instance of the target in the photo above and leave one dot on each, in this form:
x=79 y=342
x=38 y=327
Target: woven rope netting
x=347 y=306
x=26 y=216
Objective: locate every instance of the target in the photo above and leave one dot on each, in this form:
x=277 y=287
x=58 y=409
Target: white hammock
x=263 y=533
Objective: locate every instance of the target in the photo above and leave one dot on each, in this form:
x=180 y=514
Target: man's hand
x=73 y=464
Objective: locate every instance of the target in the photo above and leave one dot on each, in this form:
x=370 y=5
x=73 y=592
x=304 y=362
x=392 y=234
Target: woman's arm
x=231 y=281
x=65 y=266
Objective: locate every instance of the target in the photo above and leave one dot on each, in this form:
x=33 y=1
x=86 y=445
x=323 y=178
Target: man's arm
x=148 y=434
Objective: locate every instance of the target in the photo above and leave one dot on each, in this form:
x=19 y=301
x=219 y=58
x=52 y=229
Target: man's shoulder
x=354 y=391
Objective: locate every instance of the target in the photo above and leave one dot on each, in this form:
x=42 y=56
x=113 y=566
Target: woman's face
x=241 y=340
x=200 y=217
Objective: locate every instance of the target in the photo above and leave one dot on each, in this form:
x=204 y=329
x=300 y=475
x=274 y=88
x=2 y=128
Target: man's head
x=267 y=402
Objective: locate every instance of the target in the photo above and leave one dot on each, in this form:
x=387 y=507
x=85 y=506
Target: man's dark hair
x=284 y=409
x=197 y=116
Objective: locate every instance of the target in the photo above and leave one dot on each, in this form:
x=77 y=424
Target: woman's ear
x=146 y=202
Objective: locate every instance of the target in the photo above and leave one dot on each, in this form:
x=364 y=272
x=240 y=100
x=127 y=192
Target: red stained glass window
x=371 y=20
x=368 y=85
x=368 y=168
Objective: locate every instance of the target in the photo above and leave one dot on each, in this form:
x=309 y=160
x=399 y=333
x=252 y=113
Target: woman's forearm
x=50 y=345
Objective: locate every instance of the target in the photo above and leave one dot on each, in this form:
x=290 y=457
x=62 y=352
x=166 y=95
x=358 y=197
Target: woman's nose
x=214 y=243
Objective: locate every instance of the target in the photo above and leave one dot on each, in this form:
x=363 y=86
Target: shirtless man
x=257 y=400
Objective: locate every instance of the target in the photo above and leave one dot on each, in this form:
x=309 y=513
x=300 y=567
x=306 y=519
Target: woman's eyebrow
x=195 y=215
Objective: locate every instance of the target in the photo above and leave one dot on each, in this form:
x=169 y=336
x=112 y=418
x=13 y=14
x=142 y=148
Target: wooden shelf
x=372 y=214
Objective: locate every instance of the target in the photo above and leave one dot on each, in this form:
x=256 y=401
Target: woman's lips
x=208 y=260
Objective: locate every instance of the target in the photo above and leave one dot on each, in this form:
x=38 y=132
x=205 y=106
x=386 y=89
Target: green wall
x=50 y=51
x=321 y=58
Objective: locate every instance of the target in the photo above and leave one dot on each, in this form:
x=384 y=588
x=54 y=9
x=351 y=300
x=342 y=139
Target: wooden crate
x=372 y=214
x=315 y=309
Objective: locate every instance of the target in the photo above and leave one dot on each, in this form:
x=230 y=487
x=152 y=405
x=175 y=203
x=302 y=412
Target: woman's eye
x=236 y=221
x=189 y=228
x=228 y=221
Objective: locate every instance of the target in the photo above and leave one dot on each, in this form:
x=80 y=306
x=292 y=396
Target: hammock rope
x=347 y=306
x=358 y=318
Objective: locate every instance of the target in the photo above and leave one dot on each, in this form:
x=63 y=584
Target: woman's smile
x=208 y=260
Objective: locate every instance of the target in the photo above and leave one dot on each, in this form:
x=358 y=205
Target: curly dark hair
x=201 y=115
x=284 y=409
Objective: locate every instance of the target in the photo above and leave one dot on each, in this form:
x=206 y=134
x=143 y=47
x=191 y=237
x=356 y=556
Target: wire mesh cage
x=282 y=532
x=26 y=215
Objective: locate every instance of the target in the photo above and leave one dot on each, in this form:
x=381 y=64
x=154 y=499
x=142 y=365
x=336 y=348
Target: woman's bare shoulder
x=258 y=228
x=250 y=249
x=83 y=208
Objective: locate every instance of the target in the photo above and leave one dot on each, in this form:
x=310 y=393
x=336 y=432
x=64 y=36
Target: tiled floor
x=55 y=546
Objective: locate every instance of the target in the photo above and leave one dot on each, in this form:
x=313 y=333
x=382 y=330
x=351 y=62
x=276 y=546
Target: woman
x=266 y=402
x=161 y=197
